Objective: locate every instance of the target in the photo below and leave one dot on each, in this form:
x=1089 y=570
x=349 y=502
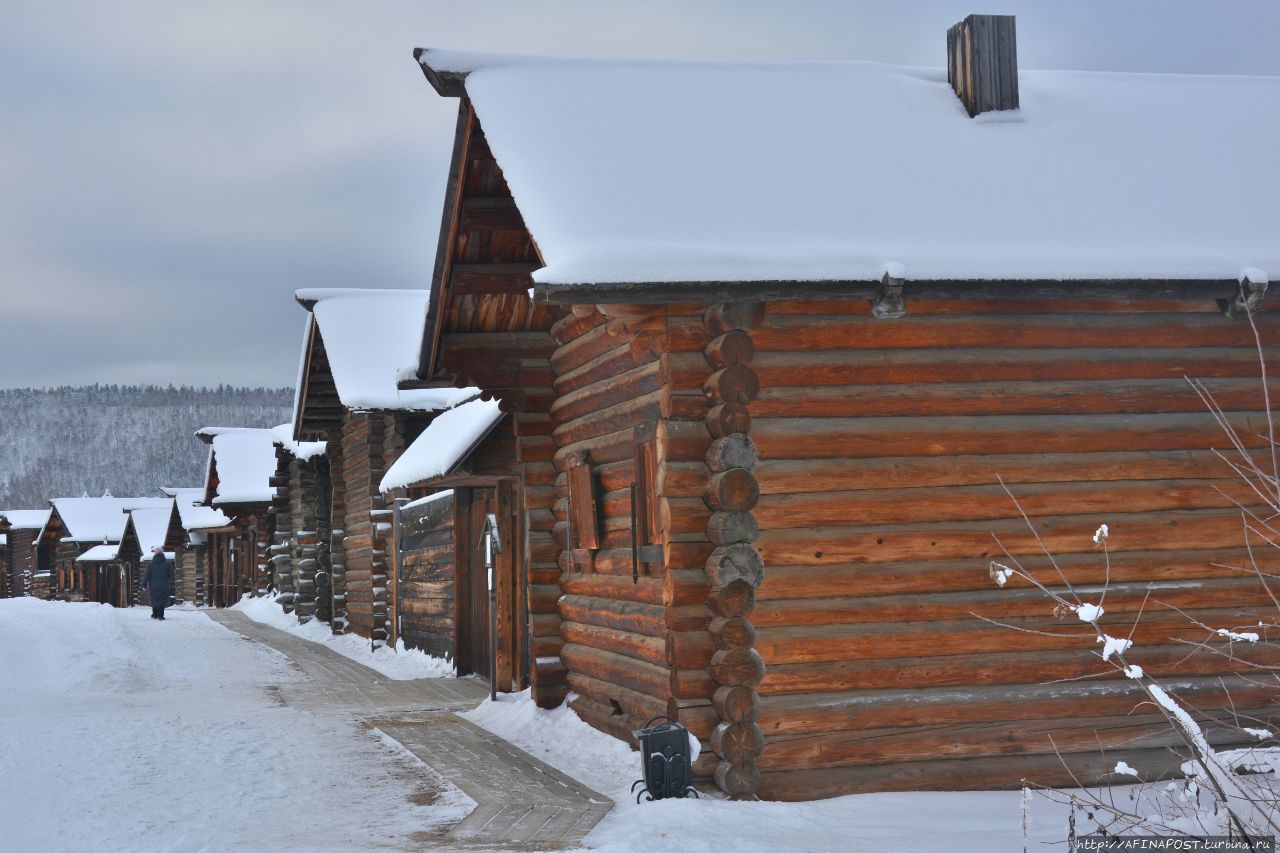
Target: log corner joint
x=1249 y=300
x=889 y=303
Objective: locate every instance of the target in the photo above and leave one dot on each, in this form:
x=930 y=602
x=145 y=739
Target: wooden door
x=473 y=582
x=475 y=640
x=426 y=598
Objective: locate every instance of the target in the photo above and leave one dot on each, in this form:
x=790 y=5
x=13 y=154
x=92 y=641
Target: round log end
x=732 y=451
x=733 y=632
x=736 y=598
x=735 y=490
x=733 y=347
x=726 y=316
x=736 y=703
x=731 y=563
x=728 y=418
x=734 y=384
x=739 y=781
x=732 y=527
x=737 y=667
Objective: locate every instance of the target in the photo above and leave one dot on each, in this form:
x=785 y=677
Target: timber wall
x=880 y=445
x=22 y=558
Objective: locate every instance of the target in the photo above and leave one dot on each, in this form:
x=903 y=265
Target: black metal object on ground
x=668 y=768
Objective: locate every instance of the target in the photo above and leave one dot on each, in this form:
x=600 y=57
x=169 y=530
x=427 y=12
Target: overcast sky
x=171 y=171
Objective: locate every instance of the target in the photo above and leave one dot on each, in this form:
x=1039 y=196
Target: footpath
x=521 y=802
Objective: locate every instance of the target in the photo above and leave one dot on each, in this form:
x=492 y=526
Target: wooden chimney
x=982 y=63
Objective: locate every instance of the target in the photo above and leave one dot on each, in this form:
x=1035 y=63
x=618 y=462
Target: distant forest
x=126 y=439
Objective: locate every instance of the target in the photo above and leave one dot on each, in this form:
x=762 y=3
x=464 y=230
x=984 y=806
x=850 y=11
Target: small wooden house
x=242 y=464
x=24 y=526
x=149 y=528
x=357 y=343
x=190 y=561
x=77 y=526
x=301 y=507
x=774 y=338
x=456 y=479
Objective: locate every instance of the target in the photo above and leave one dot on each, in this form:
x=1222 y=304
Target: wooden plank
x=827 y=438
x=789 y=332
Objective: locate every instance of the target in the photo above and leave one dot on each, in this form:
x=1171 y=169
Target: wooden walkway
x=521 y=803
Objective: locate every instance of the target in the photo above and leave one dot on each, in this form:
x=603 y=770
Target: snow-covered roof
x=304 y=450
x=193 y=514
x=369 y=336
x=246 y=461
x=443 y=444
x=4 y=538
x=841 y=171
x=151 y=526
x=26 y=519
x=100 y=554
x=100 y=519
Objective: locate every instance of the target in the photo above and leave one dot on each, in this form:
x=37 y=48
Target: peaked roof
x=242 y=461
x=446 y=442
x=193 y=514
x=369 y=336
x=633 y=172
x=151 y=526
x=100 y=519
x=26 y=519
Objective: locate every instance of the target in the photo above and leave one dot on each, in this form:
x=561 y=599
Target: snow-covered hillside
x=129 y=439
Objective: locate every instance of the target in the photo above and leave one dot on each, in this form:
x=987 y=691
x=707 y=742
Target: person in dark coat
x=158 y=581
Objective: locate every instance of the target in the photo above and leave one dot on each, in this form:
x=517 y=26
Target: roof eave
x=950 y=289
x=448 y=84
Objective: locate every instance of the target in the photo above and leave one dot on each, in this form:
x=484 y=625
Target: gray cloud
x=170 y=172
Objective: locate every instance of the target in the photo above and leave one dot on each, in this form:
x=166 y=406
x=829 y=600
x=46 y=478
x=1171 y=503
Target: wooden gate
x=425 y=600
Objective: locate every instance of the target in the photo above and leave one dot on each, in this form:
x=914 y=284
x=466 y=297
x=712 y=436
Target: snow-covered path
x=121 y=733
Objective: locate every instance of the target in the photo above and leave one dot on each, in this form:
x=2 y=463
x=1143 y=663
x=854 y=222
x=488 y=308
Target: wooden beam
x=476 y=279
x=650 y=293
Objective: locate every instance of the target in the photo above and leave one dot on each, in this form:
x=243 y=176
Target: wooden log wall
x=880 y=443
x=362 y=470
x=618 y=650
x=540 y=549
x=309 y=508
x=331 y=585
x=280 y=549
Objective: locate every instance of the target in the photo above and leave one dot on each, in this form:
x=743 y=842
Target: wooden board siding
x=426 y=589
x=22 y=560
x=190 y=569
x=880 y=444
x=370 y=443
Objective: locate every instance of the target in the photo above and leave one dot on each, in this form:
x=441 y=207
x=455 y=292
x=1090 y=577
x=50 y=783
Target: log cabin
x=149 y=528
x=190 y=562
x=238 y=476
x=24 y=526
x=460 y=471
x=77 y=526
x=815 y=318
x=357 y=343
x=302 y=499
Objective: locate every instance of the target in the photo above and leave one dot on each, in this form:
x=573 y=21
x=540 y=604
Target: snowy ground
x=401 y=664
x=121 y=733
x=924 y=822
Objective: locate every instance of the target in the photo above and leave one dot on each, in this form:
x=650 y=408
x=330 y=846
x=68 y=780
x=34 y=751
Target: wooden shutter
x=582 y=508
x=646 y=469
